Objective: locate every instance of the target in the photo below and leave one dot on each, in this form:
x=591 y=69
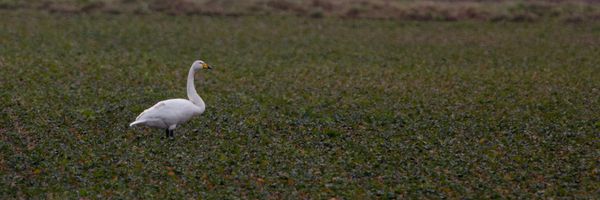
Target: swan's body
x=168 y=114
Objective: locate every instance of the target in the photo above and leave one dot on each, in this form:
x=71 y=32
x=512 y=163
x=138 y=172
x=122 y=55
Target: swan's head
x=198 y=64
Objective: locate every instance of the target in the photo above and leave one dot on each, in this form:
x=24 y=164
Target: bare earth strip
x=440 y=10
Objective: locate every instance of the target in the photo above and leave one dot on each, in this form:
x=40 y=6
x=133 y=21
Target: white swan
x=168 y=114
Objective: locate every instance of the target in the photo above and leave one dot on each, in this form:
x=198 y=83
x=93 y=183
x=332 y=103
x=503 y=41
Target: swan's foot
x=169 y=133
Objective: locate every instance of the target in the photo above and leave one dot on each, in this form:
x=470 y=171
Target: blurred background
x=438 y=10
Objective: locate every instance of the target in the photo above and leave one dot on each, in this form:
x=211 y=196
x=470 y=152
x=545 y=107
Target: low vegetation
x=299 y=108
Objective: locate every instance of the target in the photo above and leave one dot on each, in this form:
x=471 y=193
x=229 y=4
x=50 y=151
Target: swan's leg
x=167 y=132
x=172 y=129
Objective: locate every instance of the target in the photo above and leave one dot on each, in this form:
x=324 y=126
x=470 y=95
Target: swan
x=169 y=113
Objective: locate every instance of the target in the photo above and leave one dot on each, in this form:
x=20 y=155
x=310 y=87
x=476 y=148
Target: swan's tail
x=136 y=122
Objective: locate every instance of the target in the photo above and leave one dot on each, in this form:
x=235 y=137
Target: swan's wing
x=157 y=107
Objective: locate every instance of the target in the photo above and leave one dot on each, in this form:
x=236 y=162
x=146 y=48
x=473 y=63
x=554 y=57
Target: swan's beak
x=206 y=66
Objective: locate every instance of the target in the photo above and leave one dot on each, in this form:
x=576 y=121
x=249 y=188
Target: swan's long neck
x=191 y=91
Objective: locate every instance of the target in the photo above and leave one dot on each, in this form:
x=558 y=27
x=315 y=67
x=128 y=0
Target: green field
x=299 y=108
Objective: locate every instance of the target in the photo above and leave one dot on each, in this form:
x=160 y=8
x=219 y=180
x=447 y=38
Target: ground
x=299 y=107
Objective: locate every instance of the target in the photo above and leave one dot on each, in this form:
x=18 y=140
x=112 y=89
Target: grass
x=299 y=108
